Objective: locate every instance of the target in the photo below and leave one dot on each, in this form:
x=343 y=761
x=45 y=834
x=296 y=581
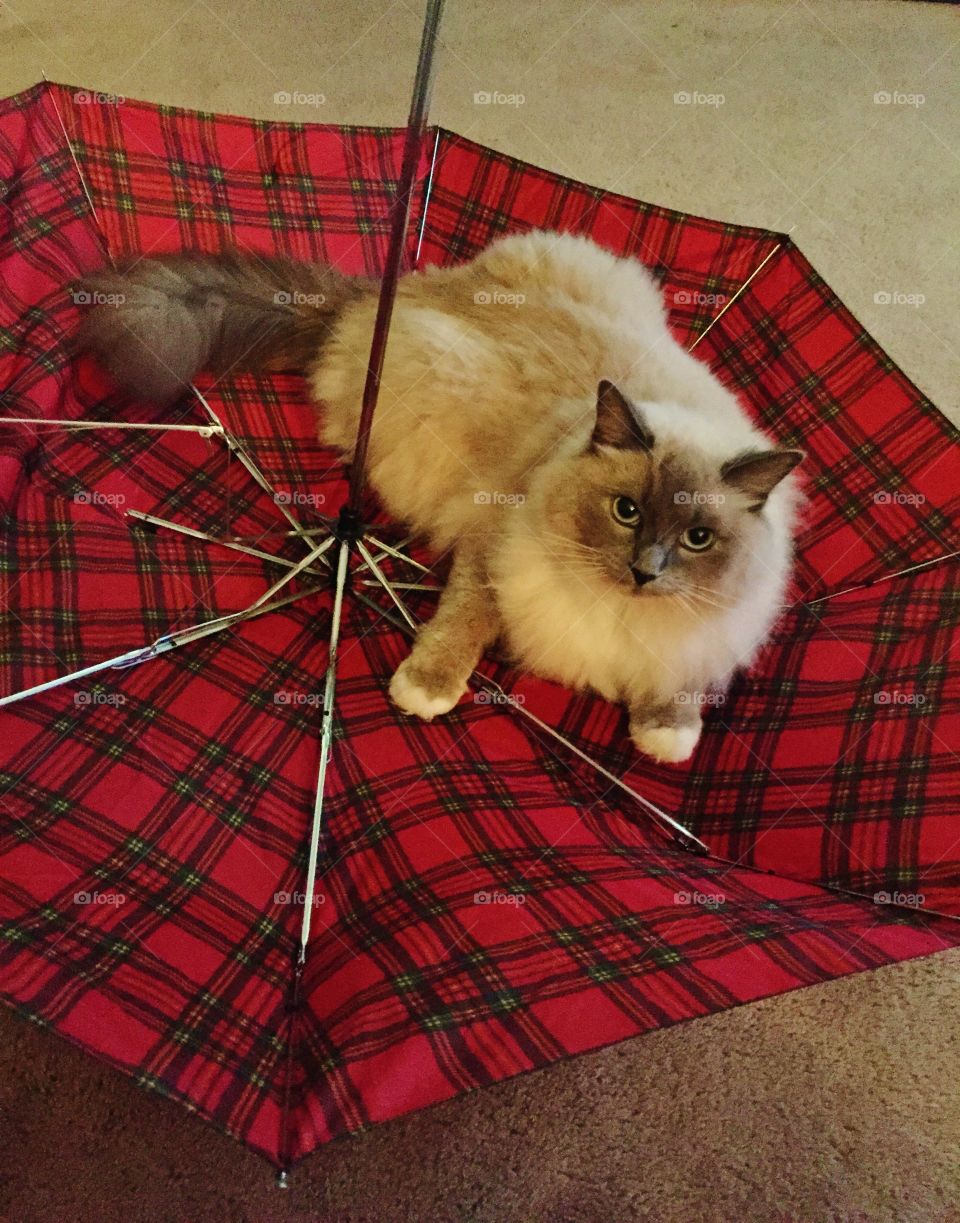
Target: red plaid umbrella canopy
x=488 y=900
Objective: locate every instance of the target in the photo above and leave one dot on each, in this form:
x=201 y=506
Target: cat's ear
x=619 y=423
x=758 y=473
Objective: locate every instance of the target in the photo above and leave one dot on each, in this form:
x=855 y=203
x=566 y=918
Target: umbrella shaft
x=413 y=142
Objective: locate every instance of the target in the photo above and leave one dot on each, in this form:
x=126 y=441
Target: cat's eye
x=698 y=539
x=626 y=511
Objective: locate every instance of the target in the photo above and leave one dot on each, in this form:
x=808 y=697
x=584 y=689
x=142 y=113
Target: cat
x=614 y=518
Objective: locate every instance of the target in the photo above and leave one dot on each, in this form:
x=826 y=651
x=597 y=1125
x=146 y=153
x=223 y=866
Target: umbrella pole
x=412 y=146
x=349 y=530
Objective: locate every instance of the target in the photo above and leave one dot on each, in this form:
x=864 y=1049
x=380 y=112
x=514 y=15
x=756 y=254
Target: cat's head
x=661 y=516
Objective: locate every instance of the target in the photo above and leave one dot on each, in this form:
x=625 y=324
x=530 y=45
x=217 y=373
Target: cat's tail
x=155 y=323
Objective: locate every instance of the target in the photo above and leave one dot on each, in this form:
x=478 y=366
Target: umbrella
x=502 y=887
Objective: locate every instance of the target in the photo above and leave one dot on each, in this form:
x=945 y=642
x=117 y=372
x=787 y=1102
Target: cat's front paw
x=423 y=692
x=665 y=744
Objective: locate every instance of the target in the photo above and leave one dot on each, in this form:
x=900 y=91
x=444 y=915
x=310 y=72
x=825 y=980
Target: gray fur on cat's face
x=660 y=522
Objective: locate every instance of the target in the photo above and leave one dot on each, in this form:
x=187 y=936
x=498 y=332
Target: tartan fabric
x=836 y=758
x=487 y=904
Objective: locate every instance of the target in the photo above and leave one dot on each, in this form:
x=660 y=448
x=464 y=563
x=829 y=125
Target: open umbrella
x=509 y=884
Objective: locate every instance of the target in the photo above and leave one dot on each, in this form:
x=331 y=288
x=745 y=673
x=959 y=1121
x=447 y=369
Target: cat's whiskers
x=698 y=596
x=707 y=604
x=684 y=602
x=713 y=599
x=569 y=552
x=552 y=539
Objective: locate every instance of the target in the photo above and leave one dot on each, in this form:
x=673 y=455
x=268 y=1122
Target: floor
x=835 y=119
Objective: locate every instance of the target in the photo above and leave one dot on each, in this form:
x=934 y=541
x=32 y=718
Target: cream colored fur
x=489 y=390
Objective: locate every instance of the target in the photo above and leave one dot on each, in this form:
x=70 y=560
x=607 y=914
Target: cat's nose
x=648 y=563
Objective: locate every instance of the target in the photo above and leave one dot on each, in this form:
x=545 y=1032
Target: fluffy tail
x=156 y=322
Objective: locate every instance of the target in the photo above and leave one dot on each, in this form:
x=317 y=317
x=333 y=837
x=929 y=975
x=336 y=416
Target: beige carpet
x=839 y=118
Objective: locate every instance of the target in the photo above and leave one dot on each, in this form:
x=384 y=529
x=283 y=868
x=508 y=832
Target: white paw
x=413 y=698
x=666 y=744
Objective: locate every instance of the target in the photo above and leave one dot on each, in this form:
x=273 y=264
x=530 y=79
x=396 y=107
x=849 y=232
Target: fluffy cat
x=615 y=519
